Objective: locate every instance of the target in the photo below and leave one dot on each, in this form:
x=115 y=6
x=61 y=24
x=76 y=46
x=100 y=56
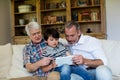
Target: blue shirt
x=32 y=53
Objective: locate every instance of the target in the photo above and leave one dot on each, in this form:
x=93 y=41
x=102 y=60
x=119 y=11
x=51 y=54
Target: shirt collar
x=81 y=40
x=49 y=47
x=33 y=44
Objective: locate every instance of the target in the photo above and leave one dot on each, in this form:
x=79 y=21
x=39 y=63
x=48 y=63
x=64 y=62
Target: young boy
x=56 y=49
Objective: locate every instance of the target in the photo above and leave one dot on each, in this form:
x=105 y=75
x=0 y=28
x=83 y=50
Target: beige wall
x=113 y=19
x=5 y=21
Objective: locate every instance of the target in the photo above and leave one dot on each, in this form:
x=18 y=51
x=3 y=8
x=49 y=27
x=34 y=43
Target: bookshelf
x=90 y=14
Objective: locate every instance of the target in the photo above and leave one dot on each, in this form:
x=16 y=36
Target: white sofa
x=11 y=63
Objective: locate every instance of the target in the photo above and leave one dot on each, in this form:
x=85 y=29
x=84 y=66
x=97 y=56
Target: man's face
x=35 y=35
x=72 y=35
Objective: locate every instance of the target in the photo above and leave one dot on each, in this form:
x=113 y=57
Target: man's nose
x=36 y=34
x=69 y=38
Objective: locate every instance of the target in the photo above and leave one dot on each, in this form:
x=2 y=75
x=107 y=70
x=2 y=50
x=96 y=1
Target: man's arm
x=34 y=66
x=92 y=63
x=79 y=59
x=46 y=68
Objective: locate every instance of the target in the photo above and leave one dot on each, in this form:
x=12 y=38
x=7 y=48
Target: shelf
x=88 y=6
x=20 y=25
x=48 y=10
x=97 y=21
x=21 y=37
x=98 y=35
x=61 y=23
x=26 y=12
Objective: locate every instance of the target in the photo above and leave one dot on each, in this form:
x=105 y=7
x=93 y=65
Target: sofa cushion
x=17 y=69
x=5 y=58
x=112 y=51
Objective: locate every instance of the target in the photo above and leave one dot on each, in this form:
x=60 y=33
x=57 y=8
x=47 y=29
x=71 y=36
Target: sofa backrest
x=112 y=51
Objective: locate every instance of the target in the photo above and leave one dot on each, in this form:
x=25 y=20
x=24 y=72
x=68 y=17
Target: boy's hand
x=54 y=65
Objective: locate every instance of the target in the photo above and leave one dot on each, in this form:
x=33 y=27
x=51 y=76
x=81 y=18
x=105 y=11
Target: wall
x=5 y=21
x=113 y=19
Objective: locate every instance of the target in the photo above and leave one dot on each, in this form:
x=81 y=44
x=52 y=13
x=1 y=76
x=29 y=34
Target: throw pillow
x=5 y=58
x=17 y=69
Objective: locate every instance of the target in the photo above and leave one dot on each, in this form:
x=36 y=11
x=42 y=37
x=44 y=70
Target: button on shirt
x=89 y=47
x=32 y=53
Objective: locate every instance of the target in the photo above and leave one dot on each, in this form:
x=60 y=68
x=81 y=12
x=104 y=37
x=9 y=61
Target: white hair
x=32 y=25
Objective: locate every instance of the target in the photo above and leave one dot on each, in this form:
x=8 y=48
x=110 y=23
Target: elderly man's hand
x=46 y=60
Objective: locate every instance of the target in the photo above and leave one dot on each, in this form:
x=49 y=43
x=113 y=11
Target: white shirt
x=90 y=48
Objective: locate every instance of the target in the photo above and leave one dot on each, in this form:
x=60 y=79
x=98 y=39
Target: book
x=64 y=60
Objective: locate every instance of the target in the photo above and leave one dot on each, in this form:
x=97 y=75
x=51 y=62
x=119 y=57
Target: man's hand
x=47 y=68
x=45 y=61
x=78 y=59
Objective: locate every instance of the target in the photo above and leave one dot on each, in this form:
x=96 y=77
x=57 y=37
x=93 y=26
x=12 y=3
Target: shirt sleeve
x=98 y=51
x=26 y=55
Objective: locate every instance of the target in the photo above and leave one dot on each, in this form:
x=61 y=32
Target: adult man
x=88 y=52
x=32 y=51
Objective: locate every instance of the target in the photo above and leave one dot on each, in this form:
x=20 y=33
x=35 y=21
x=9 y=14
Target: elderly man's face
x=35 y=35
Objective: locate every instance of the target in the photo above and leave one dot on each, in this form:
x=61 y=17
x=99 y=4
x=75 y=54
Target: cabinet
x=90 y=14
x=53 y=14
x=22 y=11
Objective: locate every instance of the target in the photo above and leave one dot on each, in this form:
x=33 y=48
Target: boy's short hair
x=51 y=32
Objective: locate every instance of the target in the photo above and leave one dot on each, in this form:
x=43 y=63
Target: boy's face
x=53 y=42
